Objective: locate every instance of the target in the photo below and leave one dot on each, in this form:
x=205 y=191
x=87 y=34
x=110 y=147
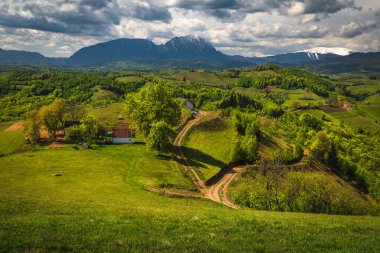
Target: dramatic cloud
x=357 y=28
x=248 y=27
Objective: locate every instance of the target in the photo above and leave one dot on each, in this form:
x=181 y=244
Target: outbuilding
x=123 y=134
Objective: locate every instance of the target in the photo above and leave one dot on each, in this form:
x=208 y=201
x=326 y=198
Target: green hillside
x=104 y=206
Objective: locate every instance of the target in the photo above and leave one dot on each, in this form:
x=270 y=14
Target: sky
x=58 y=28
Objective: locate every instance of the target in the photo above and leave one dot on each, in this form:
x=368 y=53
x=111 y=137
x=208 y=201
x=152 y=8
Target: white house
x=122 y=134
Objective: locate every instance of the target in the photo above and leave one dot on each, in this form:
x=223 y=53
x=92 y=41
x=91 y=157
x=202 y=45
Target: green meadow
x=101 y=203
x=208 y=145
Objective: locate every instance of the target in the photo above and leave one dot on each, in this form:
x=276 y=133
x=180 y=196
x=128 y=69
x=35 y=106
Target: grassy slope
x=208 y=145
x=109 y=113
x=10 y=141
x=206 y=78
x=103 y=206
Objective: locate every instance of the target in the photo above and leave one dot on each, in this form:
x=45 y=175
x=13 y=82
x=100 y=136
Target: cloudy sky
x=247 y=27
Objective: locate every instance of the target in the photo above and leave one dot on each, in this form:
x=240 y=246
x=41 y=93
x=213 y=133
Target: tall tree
x=160 y=137
x=153 y=104
x=91 y=129
x=32 y=127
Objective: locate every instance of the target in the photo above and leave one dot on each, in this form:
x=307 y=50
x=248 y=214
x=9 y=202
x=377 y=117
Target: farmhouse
x=345 y=105
x=188 y=103
x=122 y=134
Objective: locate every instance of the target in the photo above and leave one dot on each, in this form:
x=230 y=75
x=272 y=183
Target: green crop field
x=208 y=145
x=104 y=206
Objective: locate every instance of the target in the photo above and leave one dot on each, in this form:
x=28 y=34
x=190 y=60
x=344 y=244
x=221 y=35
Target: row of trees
x=52 y=118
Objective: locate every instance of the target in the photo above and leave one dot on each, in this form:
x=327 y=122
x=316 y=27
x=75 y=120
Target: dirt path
x=218 y=191
x=181 y=157
x=16 y=126
x=220 y=187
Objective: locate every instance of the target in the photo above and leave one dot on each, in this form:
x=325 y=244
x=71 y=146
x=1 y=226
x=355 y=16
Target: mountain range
x=192 y=52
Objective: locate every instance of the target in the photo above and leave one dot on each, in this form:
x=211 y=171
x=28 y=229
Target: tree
x=250 y=147
x=52 y=116
x=321 y=147
x=91 y=129
x=75 y=112
x=153 y=104
x=32 y=127
x=160 y=137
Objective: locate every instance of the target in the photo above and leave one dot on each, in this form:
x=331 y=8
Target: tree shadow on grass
x=197 y=158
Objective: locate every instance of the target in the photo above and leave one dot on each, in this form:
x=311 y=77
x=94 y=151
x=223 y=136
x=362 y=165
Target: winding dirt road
x=218 y=189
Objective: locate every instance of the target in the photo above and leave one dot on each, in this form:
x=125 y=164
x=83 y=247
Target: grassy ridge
x=208 y=145
x=103 y=206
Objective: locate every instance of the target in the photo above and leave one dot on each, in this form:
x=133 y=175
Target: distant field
x=247 y=91
x=100 y=203
x=128 y=79
x=208 y=146
x=368 y=88
x=354 y=120
x=10 y=141
x=302 y=97
x=5 y=75
x=101 y=94
x=206 y=78
x=109 y=113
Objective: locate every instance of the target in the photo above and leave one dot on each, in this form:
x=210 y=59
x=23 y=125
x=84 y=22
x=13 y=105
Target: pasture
x=101 y=203
x=209 y=144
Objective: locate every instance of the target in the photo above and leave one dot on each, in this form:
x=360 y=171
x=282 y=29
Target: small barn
x=122 y=134
x=188 y=103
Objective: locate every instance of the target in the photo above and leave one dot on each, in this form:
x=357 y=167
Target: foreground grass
x=101 y=204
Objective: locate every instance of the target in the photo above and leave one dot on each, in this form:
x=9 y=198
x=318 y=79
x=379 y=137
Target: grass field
x=367 y=88
x=299 y=97
x=10 y=141
x=128 y=79
x=205 y=78
x=109 y=113
x=101 y=94
x=104 y=206
x=247 y=91
x=355 y=118
x=208 y=145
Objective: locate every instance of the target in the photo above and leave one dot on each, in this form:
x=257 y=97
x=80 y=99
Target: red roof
x=123 y=131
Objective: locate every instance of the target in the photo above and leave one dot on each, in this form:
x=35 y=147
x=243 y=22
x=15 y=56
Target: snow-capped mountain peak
x=327 y=50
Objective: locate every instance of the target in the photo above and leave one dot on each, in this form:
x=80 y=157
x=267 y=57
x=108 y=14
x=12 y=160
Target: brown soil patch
x=57 y=145
x=16 y=126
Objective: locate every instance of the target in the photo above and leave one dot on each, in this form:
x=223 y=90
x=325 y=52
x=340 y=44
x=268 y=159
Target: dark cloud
x=151 y=13
x=328 y=6
x=95 y=17
x=357 y=28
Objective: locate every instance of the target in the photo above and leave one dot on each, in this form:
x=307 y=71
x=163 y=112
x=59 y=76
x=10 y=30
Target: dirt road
x=218 y=191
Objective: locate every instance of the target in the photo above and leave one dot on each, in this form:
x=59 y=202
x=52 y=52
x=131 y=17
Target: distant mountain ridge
x=188 y=52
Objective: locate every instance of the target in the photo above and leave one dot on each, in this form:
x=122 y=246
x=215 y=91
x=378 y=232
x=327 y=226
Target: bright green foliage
x=321 y=147
x=52 y=116
x=268 y=186
x=153 y=104
x=91 y=129
x=160 y=136
x=32 y=126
